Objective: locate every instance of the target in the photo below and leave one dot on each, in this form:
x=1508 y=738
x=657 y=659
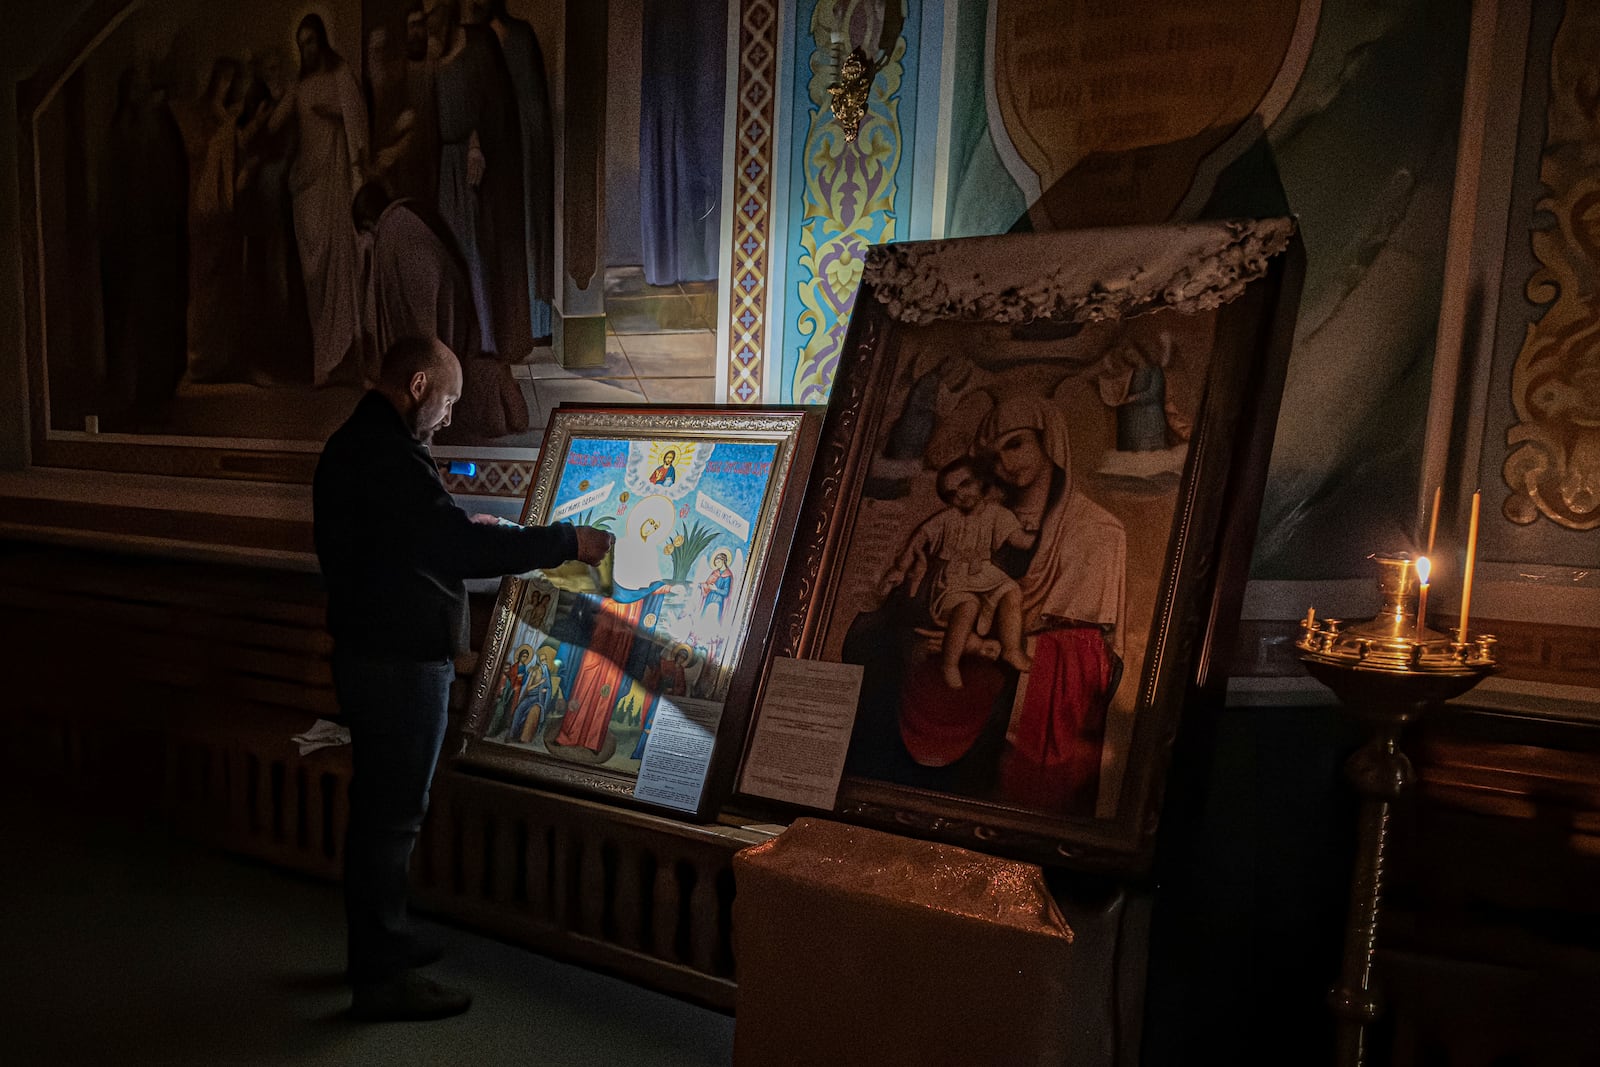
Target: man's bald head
x=422 y=379
x=410 y=356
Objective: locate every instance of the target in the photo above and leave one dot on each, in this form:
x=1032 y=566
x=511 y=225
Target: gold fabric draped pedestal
x=861 y=947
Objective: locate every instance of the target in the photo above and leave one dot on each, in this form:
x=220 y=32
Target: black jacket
x=395 y=548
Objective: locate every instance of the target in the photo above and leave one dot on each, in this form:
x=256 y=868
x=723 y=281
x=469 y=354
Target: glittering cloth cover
x=860 y=947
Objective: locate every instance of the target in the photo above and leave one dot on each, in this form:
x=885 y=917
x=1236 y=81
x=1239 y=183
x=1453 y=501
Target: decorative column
x=580 y=314
x=749 y=199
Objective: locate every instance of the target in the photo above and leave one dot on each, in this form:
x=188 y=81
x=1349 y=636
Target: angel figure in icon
x=717 y=586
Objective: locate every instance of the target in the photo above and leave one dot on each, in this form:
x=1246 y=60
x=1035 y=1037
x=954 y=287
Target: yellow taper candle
x=1466 y=576
x=1433 y=526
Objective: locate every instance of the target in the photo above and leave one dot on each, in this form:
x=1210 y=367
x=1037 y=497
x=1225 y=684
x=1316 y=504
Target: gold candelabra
x=1385 y=671
x=1396 y=640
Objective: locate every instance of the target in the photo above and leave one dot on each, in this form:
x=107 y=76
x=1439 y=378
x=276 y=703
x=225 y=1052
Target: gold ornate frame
x=1248 y=272
x=794 y=431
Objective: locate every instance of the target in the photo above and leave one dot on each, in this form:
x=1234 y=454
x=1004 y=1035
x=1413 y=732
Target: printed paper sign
x=678 y=753
x=802 y=732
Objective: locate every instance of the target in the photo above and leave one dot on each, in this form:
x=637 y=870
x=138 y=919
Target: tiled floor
x=633 y=305
x=662 y=368
x=659 y=348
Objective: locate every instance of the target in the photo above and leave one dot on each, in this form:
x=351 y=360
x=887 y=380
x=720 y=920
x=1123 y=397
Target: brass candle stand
x=1385 y=672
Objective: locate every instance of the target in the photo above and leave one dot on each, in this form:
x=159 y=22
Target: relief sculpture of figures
x=144 y=258
x=242 y=293
x=526 y=67
x=331 y=114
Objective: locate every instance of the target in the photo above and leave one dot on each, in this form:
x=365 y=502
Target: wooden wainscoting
x=626 y=891
x=176 y=688
x=1491 y=947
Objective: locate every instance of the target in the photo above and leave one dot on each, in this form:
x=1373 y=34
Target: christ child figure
x=970 y=594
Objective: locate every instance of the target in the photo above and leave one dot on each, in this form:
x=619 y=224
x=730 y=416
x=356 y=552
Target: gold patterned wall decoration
x=752 y=216
x=1553 y=465
x=850 y=181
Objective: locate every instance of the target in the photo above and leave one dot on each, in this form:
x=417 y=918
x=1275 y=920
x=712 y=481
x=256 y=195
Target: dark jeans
x=396 y=712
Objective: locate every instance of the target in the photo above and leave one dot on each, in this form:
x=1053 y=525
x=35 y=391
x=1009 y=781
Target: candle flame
x=1423 y=569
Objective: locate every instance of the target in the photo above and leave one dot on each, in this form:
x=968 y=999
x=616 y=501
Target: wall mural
x=1364 y=155
x=1080 y=113
x=1071 y=121
x=1359 y=143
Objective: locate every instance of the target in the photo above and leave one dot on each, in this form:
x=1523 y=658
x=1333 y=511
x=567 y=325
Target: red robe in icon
x=601 y=675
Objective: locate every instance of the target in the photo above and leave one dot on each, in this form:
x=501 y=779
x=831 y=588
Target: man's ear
x=419 y=385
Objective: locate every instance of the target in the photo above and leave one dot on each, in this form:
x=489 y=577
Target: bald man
x=395 y=551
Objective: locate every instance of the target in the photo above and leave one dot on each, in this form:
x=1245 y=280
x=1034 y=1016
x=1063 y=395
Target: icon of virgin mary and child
x=1019 y=575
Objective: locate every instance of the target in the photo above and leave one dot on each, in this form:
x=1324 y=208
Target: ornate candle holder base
x=1385 y=672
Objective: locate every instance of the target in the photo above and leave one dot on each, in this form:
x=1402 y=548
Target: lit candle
x=1433 y=526
x=1423 y=567
x=1472 y=554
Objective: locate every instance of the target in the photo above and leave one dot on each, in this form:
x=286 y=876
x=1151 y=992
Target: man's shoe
x=419 y=955
x=423 y=953
x=407 y=997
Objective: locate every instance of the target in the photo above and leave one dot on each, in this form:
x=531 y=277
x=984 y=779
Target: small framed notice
x=673 y=770
x=802 y=732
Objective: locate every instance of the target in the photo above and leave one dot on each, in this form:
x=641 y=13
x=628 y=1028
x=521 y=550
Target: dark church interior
x=931 y=531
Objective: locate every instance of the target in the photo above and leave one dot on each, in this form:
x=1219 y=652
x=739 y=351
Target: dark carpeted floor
x=122 y=944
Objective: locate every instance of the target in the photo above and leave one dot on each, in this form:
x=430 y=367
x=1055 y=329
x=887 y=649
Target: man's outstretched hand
x=593 y=544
